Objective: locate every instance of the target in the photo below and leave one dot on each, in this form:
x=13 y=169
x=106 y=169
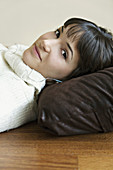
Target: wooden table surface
x=29 y=147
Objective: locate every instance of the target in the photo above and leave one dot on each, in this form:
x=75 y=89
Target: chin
x=26 y=56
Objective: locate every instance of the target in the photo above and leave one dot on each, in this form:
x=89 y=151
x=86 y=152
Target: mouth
x=37 y=52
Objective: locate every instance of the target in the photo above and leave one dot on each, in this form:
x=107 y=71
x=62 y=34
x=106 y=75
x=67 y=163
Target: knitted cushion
x=78 y=106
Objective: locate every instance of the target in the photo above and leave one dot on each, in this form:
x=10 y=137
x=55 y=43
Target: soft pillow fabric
x=78 y=106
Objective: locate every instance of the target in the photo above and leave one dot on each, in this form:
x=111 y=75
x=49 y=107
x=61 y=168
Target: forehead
x=64 y=31
x=72 y=32
x=71 y=36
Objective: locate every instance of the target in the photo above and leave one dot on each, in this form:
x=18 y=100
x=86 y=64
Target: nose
x=48 y=44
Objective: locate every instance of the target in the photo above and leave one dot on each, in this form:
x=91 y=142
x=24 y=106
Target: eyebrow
x=68 y=43
x=70 y=48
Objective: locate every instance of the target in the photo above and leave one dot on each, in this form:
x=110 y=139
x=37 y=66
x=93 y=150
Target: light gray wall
x=22 y=21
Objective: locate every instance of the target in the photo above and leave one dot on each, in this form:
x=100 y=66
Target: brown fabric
x=78 y=106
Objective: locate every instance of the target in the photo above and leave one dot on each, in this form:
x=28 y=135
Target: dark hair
x=94 y=45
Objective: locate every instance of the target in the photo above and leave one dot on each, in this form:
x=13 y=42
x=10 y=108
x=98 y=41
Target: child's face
x=53 y=55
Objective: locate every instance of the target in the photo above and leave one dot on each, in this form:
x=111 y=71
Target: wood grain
x=30 y=147
x=99 y=162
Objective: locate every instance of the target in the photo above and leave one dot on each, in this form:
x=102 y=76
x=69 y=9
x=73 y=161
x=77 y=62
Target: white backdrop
x=22 y=21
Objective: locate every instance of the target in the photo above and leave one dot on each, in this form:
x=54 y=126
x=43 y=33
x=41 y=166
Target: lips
x=37 y=51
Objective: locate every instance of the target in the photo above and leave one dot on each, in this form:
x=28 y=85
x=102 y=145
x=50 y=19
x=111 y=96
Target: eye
x=64 y=53
x=57 y=33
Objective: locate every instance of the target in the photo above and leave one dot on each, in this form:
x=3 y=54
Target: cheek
x=55 y=62
x=58 y=66
x=26 y=56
